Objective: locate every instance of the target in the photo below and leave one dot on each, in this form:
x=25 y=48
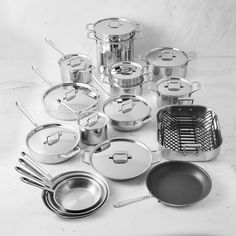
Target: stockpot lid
x=126 y=74
x=127 y=108
x=78 y=96
x=121 y=158
x=52 y=139
x=93 y=120
x=75 y=62
x=174 y=87
x=167 y=57
x=114 y=29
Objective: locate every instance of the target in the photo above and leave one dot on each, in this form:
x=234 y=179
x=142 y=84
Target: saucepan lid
x=121 y=158
x=127 y=107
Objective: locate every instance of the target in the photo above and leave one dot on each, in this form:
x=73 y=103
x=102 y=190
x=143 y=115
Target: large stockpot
x=171 y=90
x=125 y=77
x=75 y=67
x=176 y=184
x=80 y=97
x=167 y=61
x=114 y=40
x=92 y=126
x=188 y=133
x=53 y=142
x=72 y=194
x=127 y=112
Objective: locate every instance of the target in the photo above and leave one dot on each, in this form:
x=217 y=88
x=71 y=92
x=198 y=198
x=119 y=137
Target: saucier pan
x=176 y=184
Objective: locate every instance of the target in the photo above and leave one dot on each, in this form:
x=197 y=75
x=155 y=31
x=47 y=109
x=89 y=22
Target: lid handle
x=53 y=138
x=92 y=120
x=120 y=157
x=114 y=24
x=127 y=106
x=75 y=61
x=167 y=55
x=174 y=85
x=126 y=70
x=70 y=94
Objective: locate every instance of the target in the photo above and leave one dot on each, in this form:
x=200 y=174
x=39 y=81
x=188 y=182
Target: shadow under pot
x=172 y=90
x=188 y=133
x=167 y=61
x=127 y=112
x=76 y=68
x=114 y=40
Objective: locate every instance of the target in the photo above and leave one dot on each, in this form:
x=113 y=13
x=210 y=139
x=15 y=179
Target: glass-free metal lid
x=121 y=158
x=126 y=74
x=78 y=96
x=174 y=87
x=114 y=29
x=127 y=108
x=75 y=62
x=167 y=57
x=52 y=139
x=93 y=120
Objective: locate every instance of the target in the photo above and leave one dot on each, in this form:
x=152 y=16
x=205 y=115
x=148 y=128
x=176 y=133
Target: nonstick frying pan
x=175 y=183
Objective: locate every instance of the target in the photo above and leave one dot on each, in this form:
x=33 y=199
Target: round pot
x=114 y=40
x=93 y=128
x=167 y=62
x=127 y=112
x=172 y=90
x=76 y=68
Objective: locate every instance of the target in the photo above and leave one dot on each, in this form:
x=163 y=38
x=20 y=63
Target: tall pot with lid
x=114 y=40
x=168 y=61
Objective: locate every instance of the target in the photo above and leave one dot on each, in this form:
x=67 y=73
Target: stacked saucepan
x=186 y=133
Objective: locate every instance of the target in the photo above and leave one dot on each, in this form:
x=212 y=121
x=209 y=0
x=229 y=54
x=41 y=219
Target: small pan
x=175 y=184
x=72 y=193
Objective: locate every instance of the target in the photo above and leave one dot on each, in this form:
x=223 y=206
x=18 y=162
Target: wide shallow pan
x=175 y=184
x=75 y=194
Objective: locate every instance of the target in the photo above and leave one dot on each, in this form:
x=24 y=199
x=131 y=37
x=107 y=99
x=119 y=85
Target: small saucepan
x=53 y=142
x=176 y=184
x=74 y=67
x=76 y=194
x=92 y=125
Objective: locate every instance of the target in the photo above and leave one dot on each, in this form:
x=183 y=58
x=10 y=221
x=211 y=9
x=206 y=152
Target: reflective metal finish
x=167 y=61
x=121 y=158
x=114 y=40
x=127 y=112
x=171 y=89
x=188 y=133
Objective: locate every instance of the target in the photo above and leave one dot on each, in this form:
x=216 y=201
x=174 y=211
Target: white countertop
x=22 y=210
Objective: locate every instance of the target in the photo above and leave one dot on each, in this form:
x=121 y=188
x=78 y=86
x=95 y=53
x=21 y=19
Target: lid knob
x=114 y=24
x=120 y=157
x=92 y=120
x=174 y=85
x=167 y=55
x=53 y=138
x=75 y=62
x=127 y=106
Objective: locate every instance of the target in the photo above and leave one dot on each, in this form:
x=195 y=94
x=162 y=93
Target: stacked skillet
x=184 y=132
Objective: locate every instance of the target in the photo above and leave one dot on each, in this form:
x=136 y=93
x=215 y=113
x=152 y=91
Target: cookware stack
x=185 y=132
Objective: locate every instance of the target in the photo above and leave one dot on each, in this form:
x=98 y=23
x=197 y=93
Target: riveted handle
x=120 y=157
x=70 y=95
x=70 y=155
x=196 y=86
x=35 y=184
x=191 y=56
x=194 y=147
x=127 y=106
x=53 y=138
x=181 y=100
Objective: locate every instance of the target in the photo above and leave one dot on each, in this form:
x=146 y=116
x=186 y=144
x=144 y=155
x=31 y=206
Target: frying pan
x=76 y=193
x=175 y=184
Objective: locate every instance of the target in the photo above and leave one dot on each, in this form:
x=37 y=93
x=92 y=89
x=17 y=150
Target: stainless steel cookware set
x=185 y=132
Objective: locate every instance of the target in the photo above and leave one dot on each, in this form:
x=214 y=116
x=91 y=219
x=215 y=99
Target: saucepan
x=52 y=142
x=74 y=67
x=71 y=194
x=176 y=184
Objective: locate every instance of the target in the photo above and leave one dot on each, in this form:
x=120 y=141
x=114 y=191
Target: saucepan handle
x=191 y=56
x=196 y=86
x=181 y=100
x=130 y=201
x=70 y=155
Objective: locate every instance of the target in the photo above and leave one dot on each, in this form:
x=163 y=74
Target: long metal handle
x=29 y=163
x=35 y=184
x=100 y=85
x=28 y=174
x=22 y=109
x=130 y=201
x=49 y=42
x=38 y=72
